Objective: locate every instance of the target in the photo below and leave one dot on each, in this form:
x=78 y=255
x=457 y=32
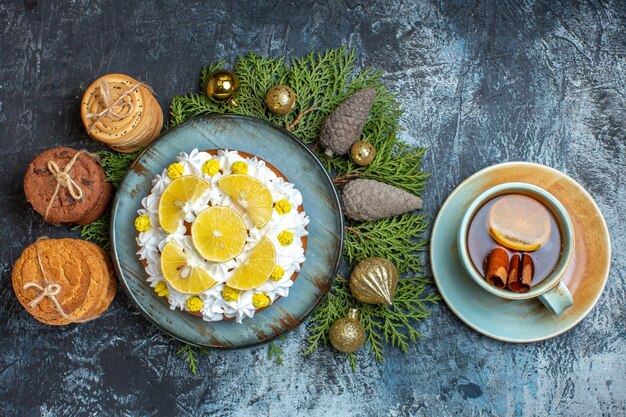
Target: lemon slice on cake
x=257 y=268
x=178 y=193
x=251 y=194
x=181 y=272
x=219 y=234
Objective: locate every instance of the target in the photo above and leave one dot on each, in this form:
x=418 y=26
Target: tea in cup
x=516 y=241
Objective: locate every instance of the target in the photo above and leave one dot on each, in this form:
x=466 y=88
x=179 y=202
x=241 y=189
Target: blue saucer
x=521 y=321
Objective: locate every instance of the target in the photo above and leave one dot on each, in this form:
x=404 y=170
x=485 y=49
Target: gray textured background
x=481 y=83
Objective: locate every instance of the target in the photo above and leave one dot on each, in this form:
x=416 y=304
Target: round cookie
x=107 y=287
x=111 y=286
x=134 y=121
x=86 y=172
x=62 y=265
x=99 y=279
x=101 y=205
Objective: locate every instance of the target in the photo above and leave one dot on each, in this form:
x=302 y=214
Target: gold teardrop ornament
x=373 y=281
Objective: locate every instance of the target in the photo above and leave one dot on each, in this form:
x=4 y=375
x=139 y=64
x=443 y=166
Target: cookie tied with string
x=63 y=281
x=121 y=112
x=67 y=186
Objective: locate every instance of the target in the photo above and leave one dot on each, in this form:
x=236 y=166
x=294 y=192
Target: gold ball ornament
x=373 y=281
x=222 y=86
x=280 y=99
x=362 y=153
x=347 y=335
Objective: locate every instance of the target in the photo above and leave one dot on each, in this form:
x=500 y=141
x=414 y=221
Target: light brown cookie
x=107 y=286
x=121 y=112
x=99 y=281
x=55 y=266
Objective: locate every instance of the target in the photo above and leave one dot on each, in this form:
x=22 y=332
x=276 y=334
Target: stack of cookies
x=63 y=281
x=67 y=186
x=121 y=112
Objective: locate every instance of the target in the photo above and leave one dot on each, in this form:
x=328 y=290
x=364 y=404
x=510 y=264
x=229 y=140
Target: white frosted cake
x=222 y=234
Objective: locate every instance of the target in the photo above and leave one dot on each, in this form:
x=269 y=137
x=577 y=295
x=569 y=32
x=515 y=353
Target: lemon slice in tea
x=519 y=222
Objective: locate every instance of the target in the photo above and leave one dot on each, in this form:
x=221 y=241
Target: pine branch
x=275 y=353
x=97 y=231
x=116 y=164
x=351 y=358
x=397 y=238
x=190 y=356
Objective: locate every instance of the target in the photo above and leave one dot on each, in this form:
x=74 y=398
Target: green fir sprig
x=393 y=238
x=97 y=231
x=116 y=164
x=190 y=356
x=275 y=353
x=321 y=82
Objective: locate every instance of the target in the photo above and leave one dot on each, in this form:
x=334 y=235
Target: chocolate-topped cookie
x=67 y=186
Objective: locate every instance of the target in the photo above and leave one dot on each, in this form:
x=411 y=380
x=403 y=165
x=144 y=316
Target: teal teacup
x=550 y=291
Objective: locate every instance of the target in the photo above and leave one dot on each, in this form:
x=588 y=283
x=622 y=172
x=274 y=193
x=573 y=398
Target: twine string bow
x=64 y=180
x=112 y=108
x=50 y=290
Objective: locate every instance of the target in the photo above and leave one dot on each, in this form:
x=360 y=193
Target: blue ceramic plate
x=521 y=321
x=320 y=201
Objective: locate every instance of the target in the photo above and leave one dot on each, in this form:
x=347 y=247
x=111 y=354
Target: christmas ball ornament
x=373 y=281
x=280 y=99
x=362 y=153
x=347 y=335
x=222 y=86
x=367 y=200
x=344 y=125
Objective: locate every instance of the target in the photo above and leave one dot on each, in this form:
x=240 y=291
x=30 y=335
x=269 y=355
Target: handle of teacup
x=558 y=299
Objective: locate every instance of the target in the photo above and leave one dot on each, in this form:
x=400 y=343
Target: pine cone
x=367 y=200
x=344 y=125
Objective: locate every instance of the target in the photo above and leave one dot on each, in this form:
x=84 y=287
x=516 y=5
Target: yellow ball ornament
x=362 y=153
x=222 y=86
x=347 y=335
x=280 y=99
x=373 y=281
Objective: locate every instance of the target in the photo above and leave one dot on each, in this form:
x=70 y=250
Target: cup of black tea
x=516 y=241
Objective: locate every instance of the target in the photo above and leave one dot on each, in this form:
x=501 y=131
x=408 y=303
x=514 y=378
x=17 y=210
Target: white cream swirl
x=290 y=257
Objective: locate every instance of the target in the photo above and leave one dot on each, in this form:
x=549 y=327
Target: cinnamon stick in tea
x=521 y=271
x=496 y=267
